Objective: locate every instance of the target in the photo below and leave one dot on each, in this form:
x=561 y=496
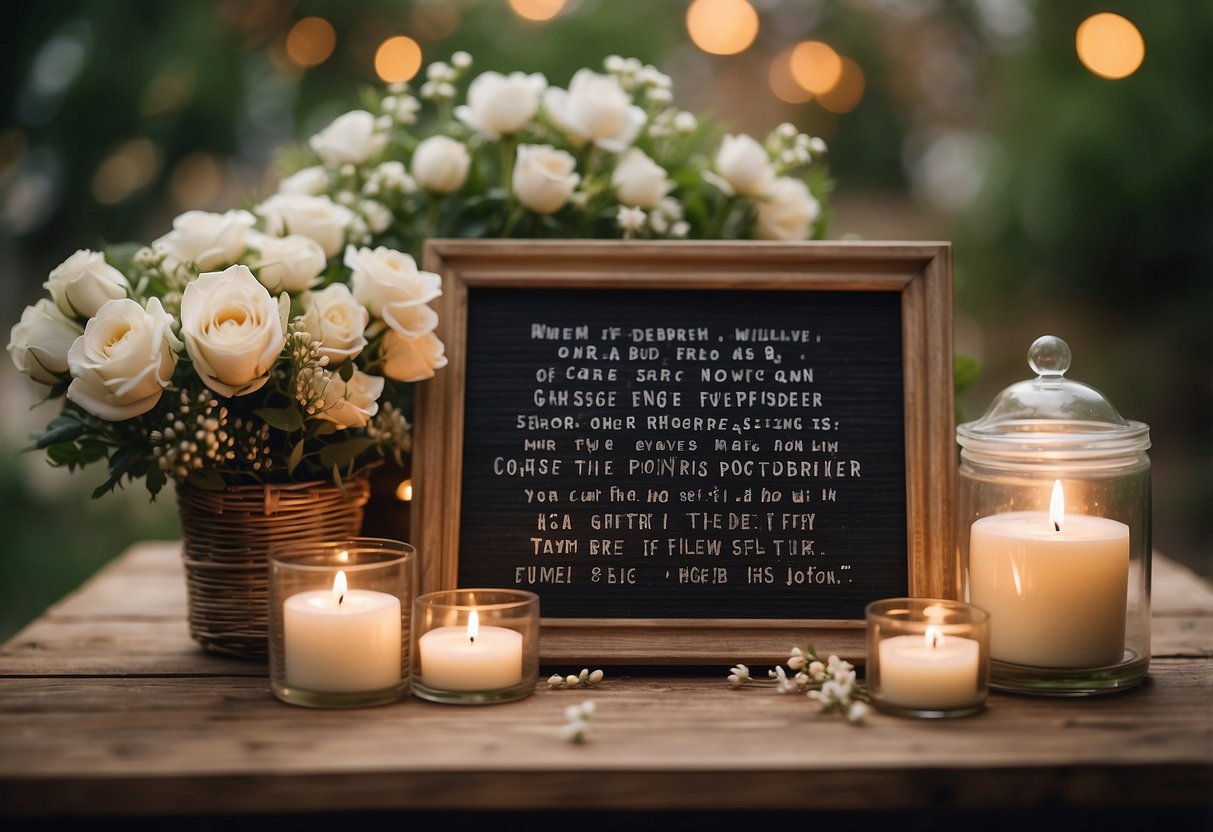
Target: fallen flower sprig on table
x=832 y=684
x=578 y=727
x=585 y=679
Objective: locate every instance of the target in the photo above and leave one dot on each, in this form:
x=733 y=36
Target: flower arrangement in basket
x=276 y=346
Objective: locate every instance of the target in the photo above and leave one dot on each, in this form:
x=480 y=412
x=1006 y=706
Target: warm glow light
x=933 y=637
x=845 y=95
x=404 y=491
x=339 y=585
x=196 y=181
x=130 y=167
x=310 y=41
x=537 y=9
x=816 y=66
x=1057 y=506
x=397 y=59
x=1109 y=45
x=722 y=27
x=473 y=625
x=343 y=556
x=782 y=83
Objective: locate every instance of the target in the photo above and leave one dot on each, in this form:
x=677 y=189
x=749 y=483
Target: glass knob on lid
x=1052 y=412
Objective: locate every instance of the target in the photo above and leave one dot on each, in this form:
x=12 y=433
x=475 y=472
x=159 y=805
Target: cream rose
x=350 y=404
x=207 y=240
x=288 y=264
x=334 y=318
x=639 y=181
x=500 y=105
x=317 y=217
x=311 y=181
x=352 y=138
x=788 y=211
x=745 y=166
x=595 y=108
x=39 y=342
x=412 y=359
x=124 y=360
x=440 y=164
x=543 y=177
x=233 y=329
x=82 y=283
x=389 y=284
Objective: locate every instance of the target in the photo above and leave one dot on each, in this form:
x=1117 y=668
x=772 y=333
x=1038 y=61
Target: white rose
x=288 y=264
x=124 y=360
x=543 y=177
x=311 y=181
x=39 y=342
x=351 y=139
x=596 y=109
x=389 y=284
x=233 y=329
x=207 y=240
x=639 y=181
x=412 y=359
x=500 y=105
x=334 y=318
x=788 y=211
x=317 y=217
x=83 y=282
x=440 y=164
x=745 y=166
x=350 y=404
x=377 y=215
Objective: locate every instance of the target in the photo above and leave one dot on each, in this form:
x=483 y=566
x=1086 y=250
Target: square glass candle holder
x=475 y=646
x=927 y=657
x=339 y=622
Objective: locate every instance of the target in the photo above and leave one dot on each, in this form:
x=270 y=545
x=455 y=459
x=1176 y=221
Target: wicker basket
x=227 y=536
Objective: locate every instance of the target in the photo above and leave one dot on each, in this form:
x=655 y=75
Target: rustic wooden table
x=108 y=709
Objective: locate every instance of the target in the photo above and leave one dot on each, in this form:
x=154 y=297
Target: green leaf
x=63 y=428
x=343 y=453
x=286 y=419
x=208 y=479
x=295 y=458
x=346 y=371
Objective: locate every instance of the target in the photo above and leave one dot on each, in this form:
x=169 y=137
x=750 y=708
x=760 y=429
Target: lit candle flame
x=1057 y=506
x=473 y=626
x=933 y=637
x=339 y=586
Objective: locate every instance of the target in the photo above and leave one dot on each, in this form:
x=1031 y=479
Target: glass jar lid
x=1052 y=414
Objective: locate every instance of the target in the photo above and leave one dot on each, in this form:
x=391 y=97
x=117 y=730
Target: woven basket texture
x=228 y=535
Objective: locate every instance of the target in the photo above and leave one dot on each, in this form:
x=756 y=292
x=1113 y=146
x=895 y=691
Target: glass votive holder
x=927 y=657
x=475 y=646
x=339 y=621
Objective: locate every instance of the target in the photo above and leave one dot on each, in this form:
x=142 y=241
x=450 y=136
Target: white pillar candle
x=1055 y=586
x=342 y=640
x=471 y=657
x=929 y=672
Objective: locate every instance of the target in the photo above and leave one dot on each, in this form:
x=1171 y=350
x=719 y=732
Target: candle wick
x=1056 y=526
x=341 y=599
x=472 y=639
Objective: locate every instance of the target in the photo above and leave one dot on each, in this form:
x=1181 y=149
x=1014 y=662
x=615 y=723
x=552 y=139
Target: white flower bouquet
x=279 y=344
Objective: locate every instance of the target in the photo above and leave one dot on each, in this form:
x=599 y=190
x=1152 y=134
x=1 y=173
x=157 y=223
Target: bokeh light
x=1109 y=45
x=196 y=181
x=722 y=27
x=537 y=9
x=783 y=83
x=816 y=66
x=845 y=95
x=131 y=166
x=310 y=41
x=397 y=59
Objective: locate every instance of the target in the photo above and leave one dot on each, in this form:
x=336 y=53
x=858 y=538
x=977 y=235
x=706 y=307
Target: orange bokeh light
x=722 y=27
x=310 y=41
x=537 y=9
x=397 y=59
x=782 y=82
x=1109 y=45
x=845 y=95
x=816 y=66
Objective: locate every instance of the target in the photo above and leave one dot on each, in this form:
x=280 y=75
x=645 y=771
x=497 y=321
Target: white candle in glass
x=470 y=658
x=929 y=672
x=342 y=640
x=1055 y=586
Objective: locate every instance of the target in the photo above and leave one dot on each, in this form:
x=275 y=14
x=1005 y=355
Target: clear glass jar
x=1053 y=527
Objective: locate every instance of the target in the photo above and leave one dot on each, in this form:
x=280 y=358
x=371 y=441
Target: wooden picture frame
x=917 y=273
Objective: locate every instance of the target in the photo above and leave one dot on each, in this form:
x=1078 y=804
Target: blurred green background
x=1078 y=205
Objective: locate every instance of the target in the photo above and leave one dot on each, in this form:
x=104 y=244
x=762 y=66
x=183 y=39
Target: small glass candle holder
x=475 y=646
x=1053 y=532
x=927 y=657
x=339 y=621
